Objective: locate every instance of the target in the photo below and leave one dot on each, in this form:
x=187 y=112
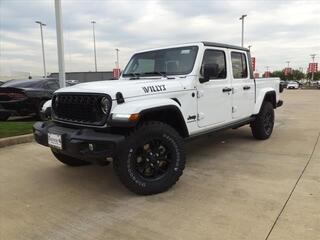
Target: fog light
x=90 y=146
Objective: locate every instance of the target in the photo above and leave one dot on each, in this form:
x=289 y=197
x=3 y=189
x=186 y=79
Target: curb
x=5 y=142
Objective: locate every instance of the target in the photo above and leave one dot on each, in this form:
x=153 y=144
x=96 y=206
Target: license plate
x=54 y=140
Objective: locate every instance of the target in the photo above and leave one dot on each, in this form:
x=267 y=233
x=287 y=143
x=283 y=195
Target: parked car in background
x=72 y=82
x=293 y=85
x=318 y=84
x=284 y=83
x=26 y=97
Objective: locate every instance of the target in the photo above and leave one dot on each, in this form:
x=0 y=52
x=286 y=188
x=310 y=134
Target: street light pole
x=94 y=45
x=117 y=52
x=62 y=74
x=288 y=68
x=43 y=56
x=242 y=32
x=288 y=62
x=312 y=73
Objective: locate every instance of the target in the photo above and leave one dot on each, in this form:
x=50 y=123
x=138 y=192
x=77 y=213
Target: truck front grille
x=79 y=108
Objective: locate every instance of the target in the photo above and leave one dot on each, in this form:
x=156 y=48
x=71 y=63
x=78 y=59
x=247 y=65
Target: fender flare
x=262 y=97
x=143 y=108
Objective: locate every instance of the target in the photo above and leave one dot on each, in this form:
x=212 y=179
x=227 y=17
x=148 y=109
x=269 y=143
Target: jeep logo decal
x=192 y=117
x=156 y=88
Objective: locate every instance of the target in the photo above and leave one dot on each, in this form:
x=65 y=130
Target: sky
x=278 y=31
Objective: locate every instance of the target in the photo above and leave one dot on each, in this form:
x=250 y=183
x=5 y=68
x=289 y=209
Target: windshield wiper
x=163 y=74
x=133 y=75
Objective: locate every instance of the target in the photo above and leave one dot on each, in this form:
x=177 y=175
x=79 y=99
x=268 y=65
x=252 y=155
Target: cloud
x=277 y=30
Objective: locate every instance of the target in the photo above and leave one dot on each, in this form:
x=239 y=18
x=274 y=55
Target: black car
x=25 y=97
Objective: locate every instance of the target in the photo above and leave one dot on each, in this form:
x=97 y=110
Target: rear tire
x=262 y=126
x=67 y=160
x=151 y=159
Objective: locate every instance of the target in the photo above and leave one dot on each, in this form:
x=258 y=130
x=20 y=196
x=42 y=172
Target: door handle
x=246 y=87
x=226 y=89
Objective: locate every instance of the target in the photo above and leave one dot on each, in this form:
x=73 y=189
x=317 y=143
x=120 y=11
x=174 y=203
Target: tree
x=315 y=77
x=297 y=75
x=279 y=74
x=293 y=75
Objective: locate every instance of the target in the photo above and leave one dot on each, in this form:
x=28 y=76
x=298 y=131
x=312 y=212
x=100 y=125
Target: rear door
x=242 y=85
x=214 y=96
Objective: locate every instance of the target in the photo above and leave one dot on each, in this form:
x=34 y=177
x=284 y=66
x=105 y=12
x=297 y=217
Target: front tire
x=262 y=126
x=152 y=159
x=67 y=160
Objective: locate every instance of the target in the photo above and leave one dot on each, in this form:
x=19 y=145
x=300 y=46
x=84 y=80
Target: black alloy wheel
x=268 y=122
x=152 y=159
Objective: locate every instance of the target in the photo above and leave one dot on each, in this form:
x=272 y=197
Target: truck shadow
x=217 y=143
x=102 y=180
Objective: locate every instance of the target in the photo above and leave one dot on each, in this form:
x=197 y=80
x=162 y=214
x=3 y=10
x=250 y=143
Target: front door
x=215 y=95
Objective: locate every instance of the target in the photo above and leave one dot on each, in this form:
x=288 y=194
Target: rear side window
x=216 y=59
x=239 y=65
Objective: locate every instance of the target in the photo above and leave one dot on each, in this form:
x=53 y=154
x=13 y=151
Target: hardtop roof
x=205 y=43
x=222 y=45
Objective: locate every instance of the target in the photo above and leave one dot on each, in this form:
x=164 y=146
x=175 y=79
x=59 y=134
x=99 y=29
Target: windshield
x=171 y=61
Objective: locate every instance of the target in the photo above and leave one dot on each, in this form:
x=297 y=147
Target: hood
x=128 y=88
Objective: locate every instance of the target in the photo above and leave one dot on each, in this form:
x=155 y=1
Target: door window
x=239 y=65
x=215 y=59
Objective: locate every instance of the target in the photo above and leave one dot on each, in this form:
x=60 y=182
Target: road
x=233 y=187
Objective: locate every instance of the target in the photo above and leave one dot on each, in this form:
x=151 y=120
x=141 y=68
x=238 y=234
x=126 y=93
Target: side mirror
x=209 y=71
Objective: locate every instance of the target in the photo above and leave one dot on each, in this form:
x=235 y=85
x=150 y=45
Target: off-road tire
x=262 y=126
x=125 y=164
x=67 y=160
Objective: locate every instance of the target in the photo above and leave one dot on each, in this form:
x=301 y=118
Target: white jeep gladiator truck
x=163 y=97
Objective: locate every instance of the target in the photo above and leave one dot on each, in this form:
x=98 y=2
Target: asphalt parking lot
x=234 y=187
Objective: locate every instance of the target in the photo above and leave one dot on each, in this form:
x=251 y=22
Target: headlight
x=55 y=101
x=105 y=105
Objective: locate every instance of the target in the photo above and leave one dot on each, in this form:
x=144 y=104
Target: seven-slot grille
x=79 y=108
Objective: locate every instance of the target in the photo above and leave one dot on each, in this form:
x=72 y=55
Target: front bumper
x=75 y=142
